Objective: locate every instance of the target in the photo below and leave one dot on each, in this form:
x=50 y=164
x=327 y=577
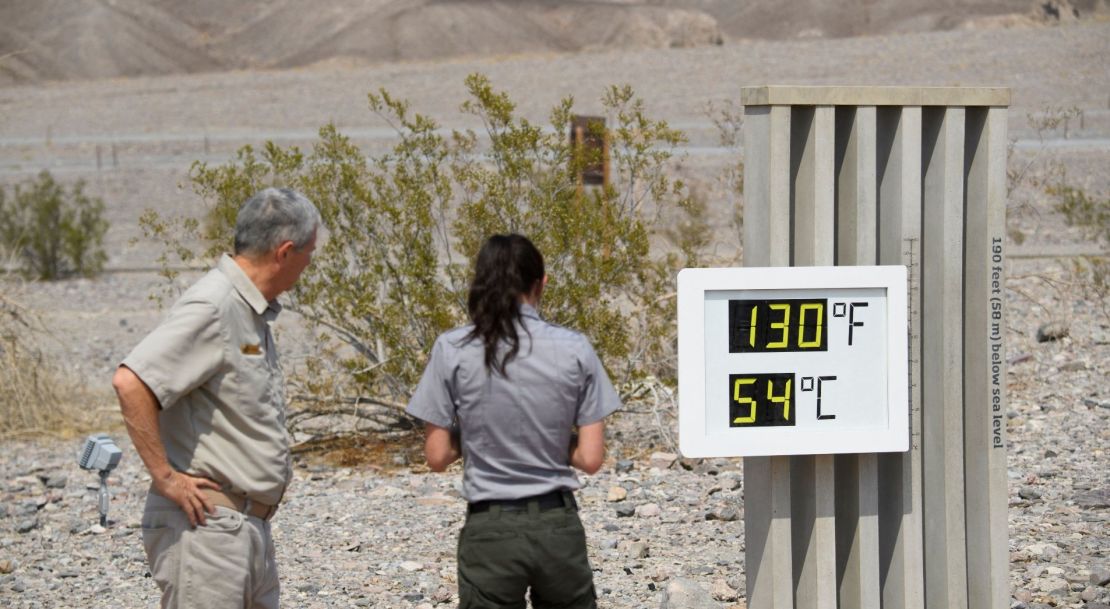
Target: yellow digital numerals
x=761 y=400
x=770 y=326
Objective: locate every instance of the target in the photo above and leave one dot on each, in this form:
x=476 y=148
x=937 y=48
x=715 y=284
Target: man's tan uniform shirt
x=213 y=366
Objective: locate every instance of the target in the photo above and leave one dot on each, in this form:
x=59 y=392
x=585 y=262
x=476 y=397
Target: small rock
x=1051 y=453
x=1100 y=576
x=96 y=529
x=662 y=460
x=56 y=481
x=637 y=549
x=1052 y=585
x=626 y=510
x=1029 y=493
x=616 y=493
x=686 y=594
x=1073 y=367
x=1053 y=330
x=442 y=594
x=722 y=591
x=387 y=492
x=700 y=570
x=1043 y=550
x=411 y=566
x=648 y=510
x=1097 y=499
x=26 y=526
x=18 y=586
x=1023 y=595
x=6 y=566
x=624 y=466
x=726 y=513
x=437 y=499
x=707 y=468
x=689 y=464
x=731 y=483
x=1089 y=594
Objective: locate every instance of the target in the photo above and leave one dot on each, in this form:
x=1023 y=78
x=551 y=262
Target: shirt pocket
x=256 y=383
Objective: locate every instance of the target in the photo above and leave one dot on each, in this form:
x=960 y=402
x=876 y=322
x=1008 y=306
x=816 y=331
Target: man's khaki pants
x=226 y=563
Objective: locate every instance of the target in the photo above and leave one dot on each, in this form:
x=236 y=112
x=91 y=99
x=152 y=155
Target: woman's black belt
x=546 y=501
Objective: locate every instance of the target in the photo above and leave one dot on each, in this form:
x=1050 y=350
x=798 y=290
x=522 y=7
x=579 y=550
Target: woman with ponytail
x=505 y=393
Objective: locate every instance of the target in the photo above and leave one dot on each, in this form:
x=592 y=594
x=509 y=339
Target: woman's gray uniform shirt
x=515 y=429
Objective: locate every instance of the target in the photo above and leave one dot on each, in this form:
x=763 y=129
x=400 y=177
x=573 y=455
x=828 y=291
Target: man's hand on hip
x=188 y=492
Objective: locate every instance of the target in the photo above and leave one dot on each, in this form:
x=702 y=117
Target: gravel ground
x=367 y=537
x=385 y=537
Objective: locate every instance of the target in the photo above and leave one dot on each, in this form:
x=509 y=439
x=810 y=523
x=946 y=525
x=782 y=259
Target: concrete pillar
x=766 y=240
x=985 y=359
x=813 y=135
x=857 y=491
x=942 y=357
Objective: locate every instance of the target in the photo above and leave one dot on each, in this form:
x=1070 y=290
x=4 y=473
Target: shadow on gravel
x=401 y=452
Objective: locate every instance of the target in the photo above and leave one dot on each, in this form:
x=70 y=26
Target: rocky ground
x=384 y=536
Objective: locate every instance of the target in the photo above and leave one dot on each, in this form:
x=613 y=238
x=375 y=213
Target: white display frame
x=696 y=439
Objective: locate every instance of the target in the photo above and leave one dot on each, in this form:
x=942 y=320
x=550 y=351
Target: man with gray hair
x=204 y=403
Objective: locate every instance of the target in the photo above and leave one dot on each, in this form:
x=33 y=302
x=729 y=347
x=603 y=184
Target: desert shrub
x=403 y=228
x=1091 y=214
x=52 y=232
x=36 y=395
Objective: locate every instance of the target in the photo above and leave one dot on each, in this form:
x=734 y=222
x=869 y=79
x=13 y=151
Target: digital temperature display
x=777 y=325
x=792 y=360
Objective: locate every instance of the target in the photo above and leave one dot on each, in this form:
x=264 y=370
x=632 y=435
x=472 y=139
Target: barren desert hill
x=62 y=39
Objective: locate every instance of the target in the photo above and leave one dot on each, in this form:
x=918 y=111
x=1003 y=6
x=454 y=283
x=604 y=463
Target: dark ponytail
x=508 y=268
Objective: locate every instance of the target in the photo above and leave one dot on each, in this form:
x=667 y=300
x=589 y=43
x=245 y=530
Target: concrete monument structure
x=889 y=175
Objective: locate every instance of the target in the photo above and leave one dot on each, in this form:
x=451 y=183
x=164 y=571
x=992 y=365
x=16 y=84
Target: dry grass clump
x=36 y=396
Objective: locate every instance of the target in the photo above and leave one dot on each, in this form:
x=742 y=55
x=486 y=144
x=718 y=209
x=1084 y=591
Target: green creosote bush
x=1092 y=215
x=403 y=228
x=53 y=233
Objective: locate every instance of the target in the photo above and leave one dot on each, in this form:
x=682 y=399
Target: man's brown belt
x=241 y=504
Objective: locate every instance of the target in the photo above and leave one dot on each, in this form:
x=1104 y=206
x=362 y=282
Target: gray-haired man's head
x=272 y=217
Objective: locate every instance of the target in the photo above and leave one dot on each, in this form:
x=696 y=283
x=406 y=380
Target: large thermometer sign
x=792 y=360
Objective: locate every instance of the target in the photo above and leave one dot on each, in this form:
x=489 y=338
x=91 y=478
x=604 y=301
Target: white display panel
x=792 y=360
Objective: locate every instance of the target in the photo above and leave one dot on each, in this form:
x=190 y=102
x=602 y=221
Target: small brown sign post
x=591 y=150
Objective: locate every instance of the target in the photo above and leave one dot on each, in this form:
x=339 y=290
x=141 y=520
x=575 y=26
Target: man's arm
x=441 y=447
x=140 y=412
x=588 y=452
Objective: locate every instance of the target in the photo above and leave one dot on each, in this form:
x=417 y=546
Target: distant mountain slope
x=89 y=39
x=776 y=19
x=63 y=39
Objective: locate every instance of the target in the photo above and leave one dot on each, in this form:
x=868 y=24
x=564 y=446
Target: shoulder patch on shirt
x=249 y=349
